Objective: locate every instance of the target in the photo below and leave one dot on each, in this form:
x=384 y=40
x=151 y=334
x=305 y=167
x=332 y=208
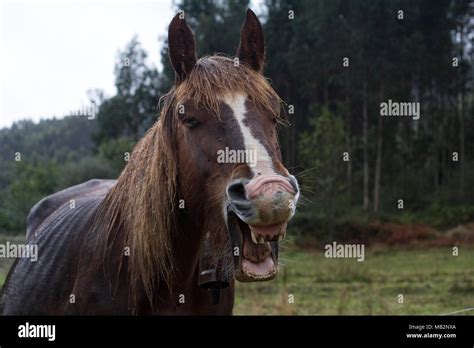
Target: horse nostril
x=236 y=191
x=294 y=183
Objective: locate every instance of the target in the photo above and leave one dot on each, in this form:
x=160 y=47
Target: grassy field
x=432 y=281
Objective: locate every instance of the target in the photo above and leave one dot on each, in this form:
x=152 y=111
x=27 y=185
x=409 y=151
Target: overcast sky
x=52 y=52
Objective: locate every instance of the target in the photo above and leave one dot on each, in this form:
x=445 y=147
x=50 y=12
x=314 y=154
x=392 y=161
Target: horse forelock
x=215 y=77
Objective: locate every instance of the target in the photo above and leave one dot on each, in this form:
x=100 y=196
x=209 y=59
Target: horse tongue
x=256 y=261
x=260 y=269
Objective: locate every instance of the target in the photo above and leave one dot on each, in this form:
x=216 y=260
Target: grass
x=432 y=281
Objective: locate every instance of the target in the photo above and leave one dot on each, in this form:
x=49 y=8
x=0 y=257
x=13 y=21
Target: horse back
x=48 y=205
x=57 y=228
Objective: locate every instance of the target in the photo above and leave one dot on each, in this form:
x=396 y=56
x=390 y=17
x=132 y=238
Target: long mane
x=143 y=203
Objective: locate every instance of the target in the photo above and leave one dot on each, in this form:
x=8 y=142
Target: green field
x=432 y=281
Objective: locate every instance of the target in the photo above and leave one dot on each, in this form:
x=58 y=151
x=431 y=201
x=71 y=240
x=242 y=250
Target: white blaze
x=264 y=165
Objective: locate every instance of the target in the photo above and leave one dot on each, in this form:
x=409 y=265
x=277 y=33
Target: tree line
x=333 y=62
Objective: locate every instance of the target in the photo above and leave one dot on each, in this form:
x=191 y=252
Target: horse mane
x=143 y=203
x=212 y=78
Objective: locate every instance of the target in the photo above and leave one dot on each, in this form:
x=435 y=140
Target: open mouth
x=258 y=259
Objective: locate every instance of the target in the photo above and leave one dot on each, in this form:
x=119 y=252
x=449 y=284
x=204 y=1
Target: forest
x=334 y=63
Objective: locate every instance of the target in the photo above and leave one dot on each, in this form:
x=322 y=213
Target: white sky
x=52 y=52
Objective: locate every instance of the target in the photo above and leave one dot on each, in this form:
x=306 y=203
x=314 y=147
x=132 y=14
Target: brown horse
x=204 y=199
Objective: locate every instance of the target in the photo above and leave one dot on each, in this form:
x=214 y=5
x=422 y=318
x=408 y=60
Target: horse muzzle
x=257 y=214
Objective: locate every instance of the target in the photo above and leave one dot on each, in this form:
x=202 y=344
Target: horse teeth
x=261 y=240
x=280 y=237
x=254 y=237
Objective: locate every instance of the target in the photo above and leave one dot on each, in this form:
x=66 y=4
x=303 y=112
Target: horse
x=188 y=215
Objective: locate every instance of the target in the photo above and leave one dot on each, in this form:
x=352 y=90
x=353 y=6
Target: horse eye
x=274 y=120
x=191 y=122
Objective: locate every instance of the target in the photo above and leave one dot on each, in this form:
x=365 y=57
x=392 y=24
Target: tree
x=134 y=108
x=322 y=150
x=32 y=182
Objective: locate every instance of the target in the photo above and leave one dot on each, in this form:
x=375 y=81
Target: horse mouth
x=258 y=259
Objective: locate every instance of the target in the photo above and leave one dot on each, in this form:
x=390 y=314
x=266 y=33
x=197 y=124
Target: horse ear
x=182 y=47
x=252 y=45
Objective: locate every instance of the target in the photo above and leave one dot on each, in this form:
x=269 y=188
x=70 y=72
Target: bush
x=114 y=152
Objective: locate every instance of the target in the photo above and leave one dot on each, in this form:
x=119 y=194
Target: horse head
x=223 y=116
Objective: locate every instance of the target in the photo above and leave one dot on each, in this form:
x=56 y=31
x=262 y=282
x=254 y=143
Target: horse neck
x=186 y=250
